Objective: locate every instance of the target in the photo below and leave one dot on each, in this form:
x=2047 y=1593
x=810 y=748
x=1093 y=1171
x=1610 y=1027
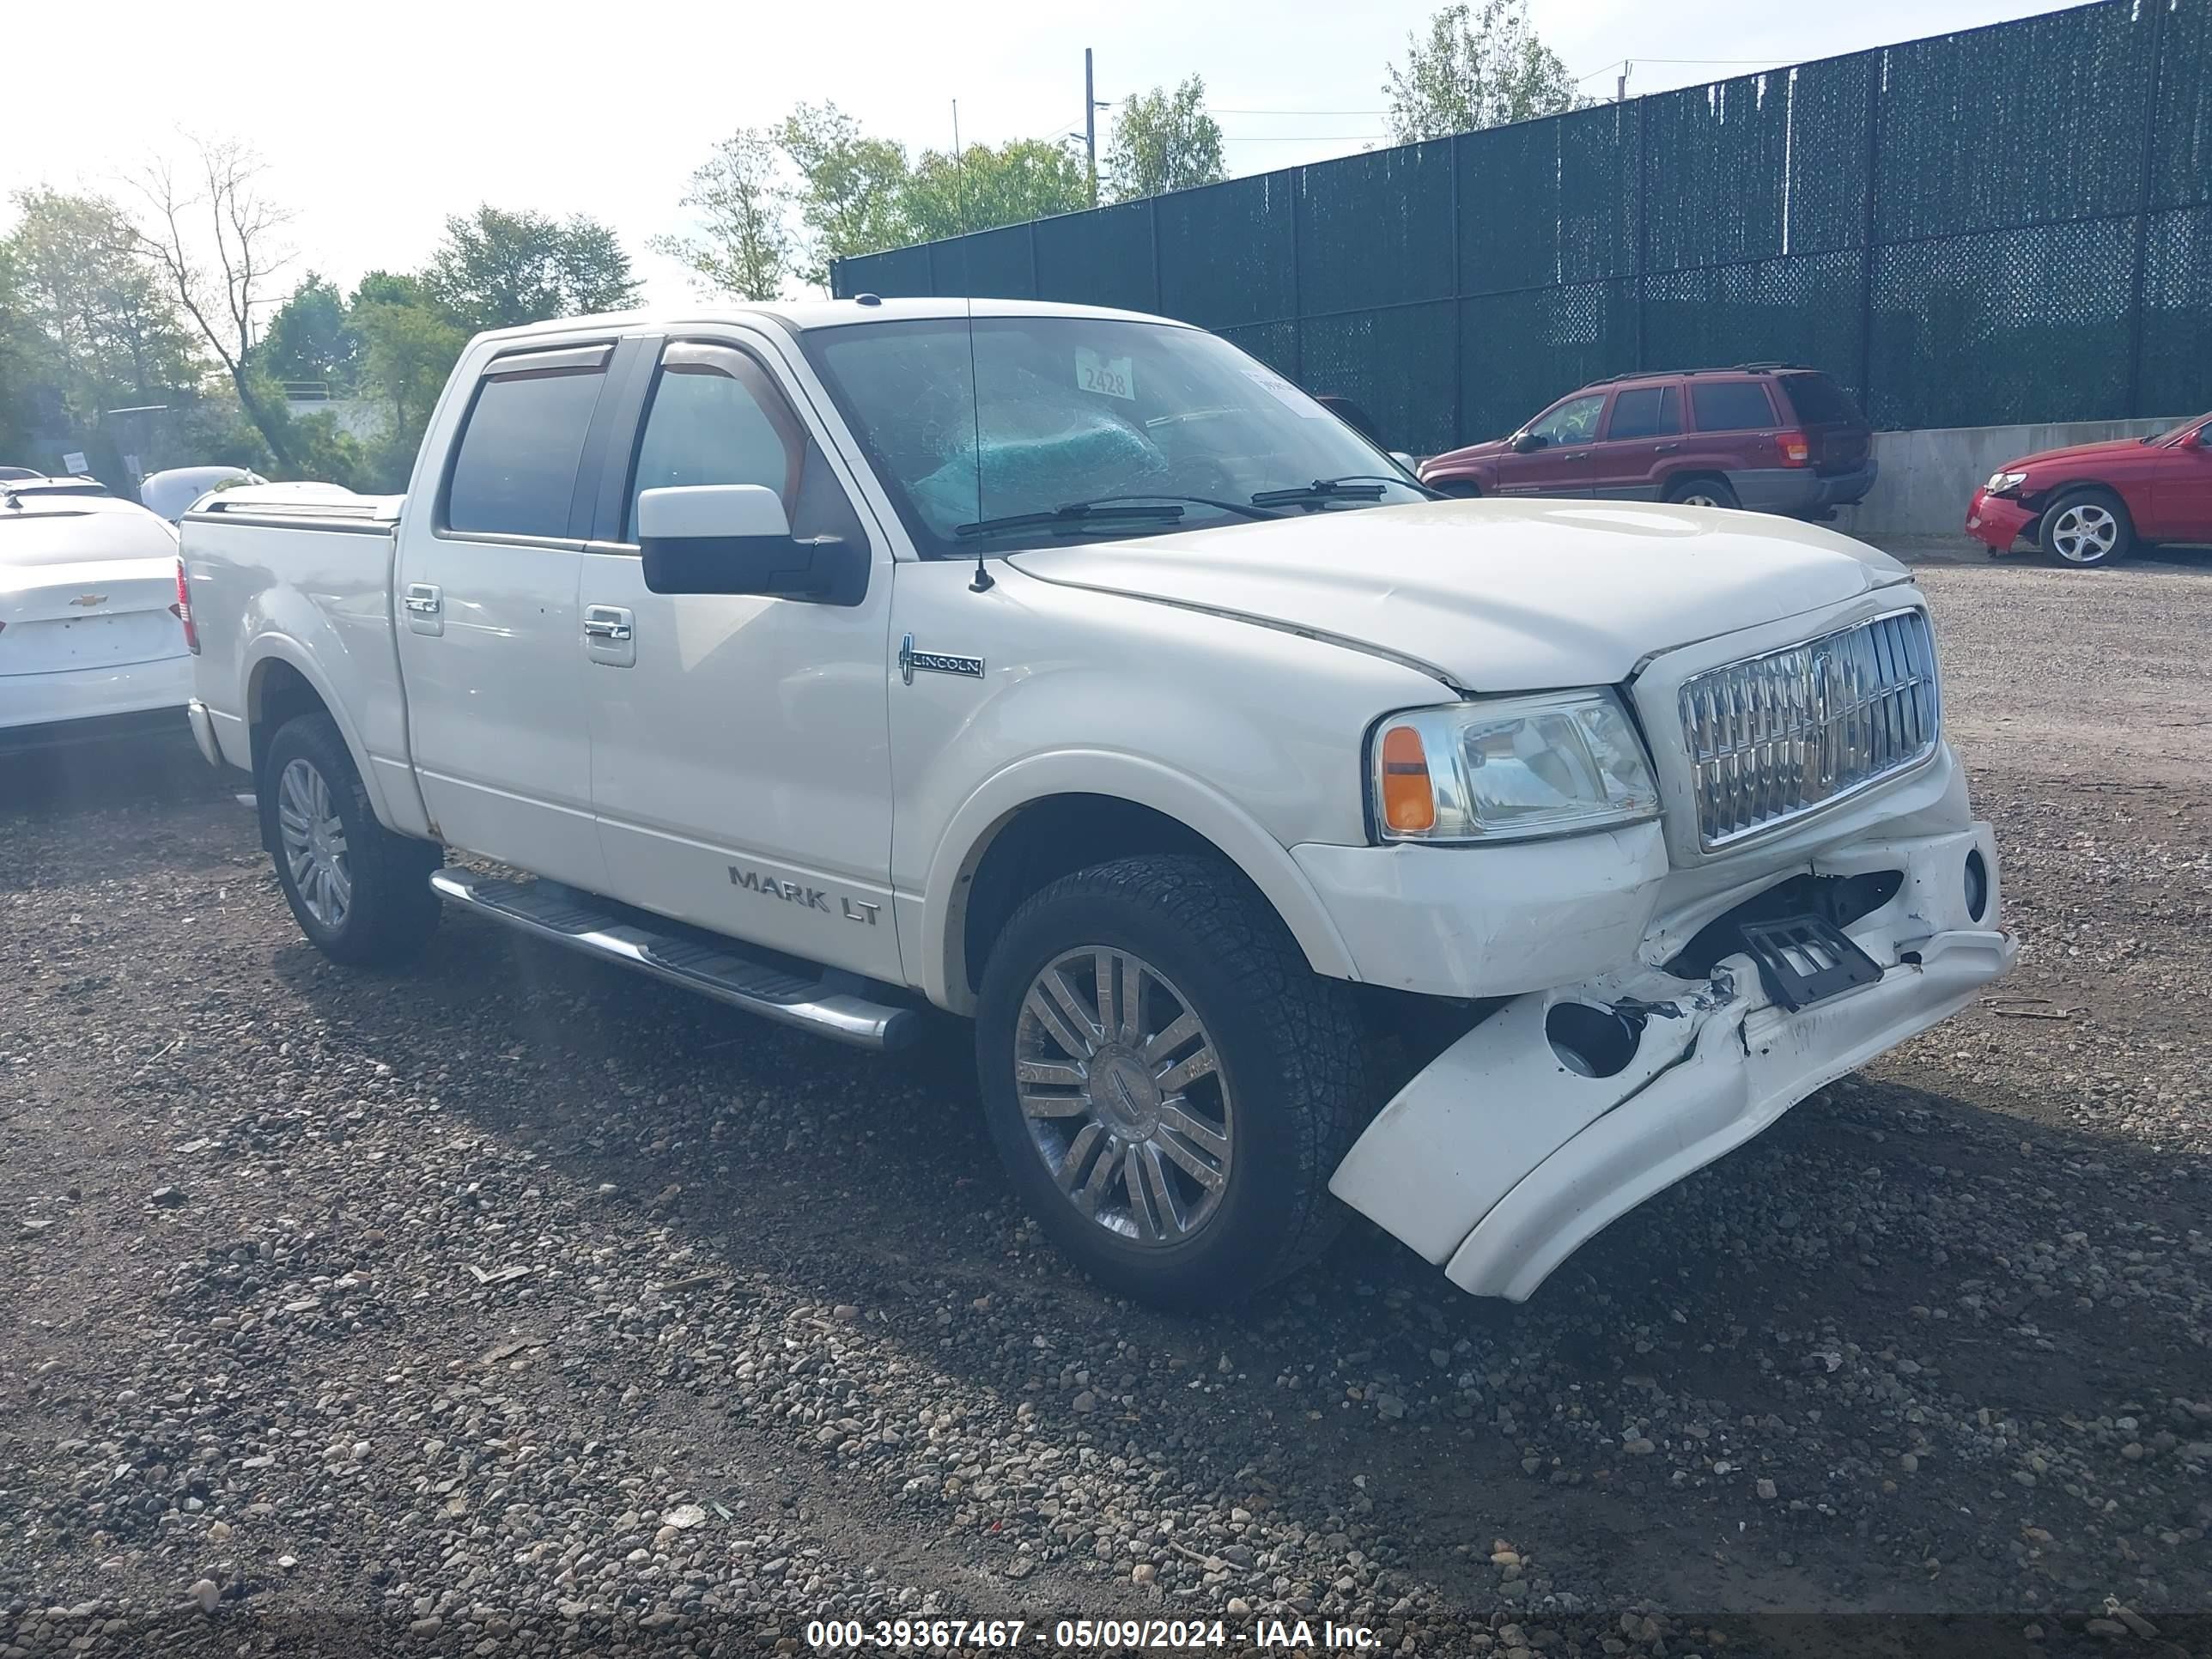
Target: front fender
x=933 y=925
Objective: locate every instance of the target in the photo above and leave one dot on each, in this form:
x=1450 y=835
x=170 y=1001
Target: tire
x=1701 y=492
x=1284 y=1099
x=379 y=909
x=2085 y=529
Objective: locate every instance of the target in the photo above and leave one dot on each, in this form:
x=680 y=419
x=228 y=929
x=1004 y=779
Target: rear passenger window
x=1731 y=405
x=1648 y=411
x=514 y=473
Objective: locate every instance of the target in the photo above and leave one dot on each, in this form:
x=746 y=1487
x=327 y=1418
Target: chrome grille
x=1771 y=738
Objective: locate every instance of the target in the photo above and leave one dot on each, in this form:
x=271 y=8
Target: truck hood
x=1492 y=595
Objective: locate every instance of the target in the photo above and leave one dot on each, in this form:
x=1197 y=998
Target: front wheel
x=1168 y=1082
x=360 y=894
x=2086 y=528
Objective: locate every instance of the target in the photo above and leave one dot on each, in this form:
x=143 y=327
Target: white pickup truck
x=1487 y=865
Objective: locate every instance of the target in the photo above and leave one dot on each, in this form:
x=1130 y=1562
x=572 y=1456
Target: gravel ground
x=513 y=1305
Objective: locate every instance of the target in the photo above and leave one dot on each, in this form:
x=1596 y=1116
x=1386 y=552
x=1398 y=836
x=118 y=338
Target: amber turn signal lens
x=1409 y=804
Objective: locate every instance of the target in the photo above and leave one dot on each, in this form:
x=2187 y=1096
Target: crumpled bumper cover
x=1498 y=1161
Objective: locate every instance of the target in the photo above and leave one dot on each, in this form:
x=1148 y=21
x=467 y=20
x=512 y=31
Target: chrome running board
x=721 y=970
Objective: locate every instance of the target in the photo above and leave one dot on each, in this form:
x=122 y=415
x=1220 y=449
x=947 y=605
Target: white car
x=92 y=638
x=171 y=493
x=1070 y=670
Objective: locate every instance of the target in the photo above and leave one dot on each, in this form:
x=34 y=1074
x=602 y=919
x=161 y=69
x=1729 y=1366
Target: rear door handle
x=425 y=608
x=1667 y=449
x=611 y=635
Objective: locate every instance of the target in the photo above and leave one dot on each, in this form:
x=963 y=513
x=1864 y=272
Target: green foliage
x=1163 y=141
x=744 y=247
x=982 y=187
x=408 y=350
x=309 y=338
x=851 y=188
x=497 y=269
x=1476 y=69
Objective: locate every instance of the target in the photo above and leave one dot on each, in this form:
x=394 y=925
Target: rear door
x=1559 y=463
x=490 y=637
x=1642 y=432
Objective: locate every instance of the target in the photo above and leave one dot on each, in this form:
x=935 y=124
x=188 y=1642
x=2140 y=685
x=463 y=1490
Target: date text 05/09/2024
x=1075 y=1635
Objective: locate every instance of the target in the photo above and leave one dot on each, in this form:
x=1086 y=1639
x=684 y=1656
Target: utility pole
x=1090 y=124
x=1620 y=86
x=959 y=169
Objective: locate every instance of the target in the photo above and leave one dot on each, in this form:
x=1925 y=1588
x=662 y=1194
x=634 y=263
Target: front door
x=1557 y=461
x=2181 y=490
x=741 y=755
x=487 y=581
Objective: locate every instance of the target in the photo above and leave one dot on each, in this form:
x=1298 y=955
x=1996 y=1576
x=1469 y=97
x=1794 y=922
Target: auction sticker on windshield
x=1114 y=377
x=1284 y=393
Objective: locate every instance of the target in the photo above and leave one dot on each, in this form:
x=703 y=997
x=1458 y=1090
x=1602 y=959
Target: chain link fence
x=2007 y=224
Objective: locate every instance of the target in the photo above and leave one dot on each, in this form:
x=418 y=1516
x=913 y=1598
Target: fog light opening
x=1593 y=1041
x=1978 y=886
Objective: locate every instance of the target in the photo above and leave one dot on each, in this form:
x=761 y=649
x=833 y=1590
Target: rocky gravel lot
x=515 y=1306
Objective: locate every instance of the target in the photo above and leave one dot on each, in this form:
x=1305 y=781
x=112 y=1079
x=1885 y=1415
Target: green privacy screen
x=2008 y=224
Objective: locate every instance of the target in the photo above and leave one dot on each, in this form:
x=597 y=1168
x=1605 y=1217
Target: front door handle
x=611 y=635
x=1667 y=449
x=425 y=608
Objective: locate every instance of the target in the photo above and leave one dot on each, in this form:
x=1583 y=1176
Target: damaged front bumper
x=1506 y=1153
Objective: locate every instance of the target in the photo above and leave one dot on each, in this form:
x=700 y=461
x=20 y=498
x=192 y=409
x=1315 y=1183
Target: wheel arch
x=1049 y=815
x=282 y=684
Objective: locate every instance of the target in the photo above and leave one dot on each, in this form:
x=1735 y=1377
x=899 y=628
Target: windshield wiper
x=1353 y=487
x=1108 y=509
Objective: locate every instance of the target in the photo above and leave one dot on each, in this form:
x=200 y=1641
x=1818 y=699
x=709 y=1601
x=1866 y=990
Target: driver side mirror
x=736 y=538
x=1526 y=442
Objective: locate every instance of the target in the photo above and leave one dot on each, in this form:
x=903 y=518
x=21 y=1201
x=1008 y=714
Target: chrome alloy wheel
x=314 y=844
x=2085 y=533
x=1123 y=1094
x=1698 y=498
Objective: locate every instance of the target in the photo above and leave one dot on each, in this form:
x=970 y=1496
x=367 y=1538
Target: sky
x=377 y=122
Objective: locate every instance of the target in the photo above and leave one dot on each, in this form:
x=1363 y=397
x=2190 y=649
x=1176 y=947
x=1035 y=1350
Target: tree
x=311 y=337
x=95 y=330
x=1476 y=70
x=1164 y=141
x=744 y=247
x=496 y=269
x=1028 y=179
x=408 y=348
x=851 y=188
x=246 y=225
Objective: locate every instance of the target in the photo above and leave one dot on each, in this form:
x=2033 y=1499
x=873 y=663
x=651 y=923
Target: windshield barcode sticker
x=1111 y=377
x=1285 y=393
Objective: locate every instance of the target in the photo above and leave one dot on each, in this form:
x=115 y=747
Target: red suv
x=1771 y=437
x=2088 y=505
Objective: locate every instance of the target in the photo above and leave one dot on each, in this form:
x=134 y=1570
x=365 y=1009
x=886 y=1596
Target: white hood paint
x=1492 y=595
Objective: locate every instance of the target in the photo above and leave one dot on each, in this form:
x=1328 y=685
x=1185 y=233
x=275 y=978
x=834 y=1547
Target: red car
x=1771 y=437
x=2091 y=504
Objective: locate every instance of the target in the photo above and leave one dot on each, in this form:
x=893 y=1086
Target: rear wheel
x=360 y=894
x=2085 y=527
x=1701 y=492
x=1168 y=1082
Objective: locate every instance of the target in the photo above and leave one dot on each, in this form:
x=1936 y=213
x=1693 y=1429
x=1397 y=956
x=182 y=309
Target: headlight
x=2001 y=482
x=1510 y=769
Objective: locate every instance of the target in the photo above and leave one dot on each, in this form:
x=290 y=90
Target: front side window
x=1104 y=425
x=1731 y=406
x=717 y=417
x=514 y=470
x=1646 y=411
x=1573 y=421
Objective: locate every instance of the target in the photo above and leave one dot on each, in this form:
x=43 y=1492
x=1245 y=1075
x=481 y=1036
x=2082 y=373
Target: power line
x=1215 y=110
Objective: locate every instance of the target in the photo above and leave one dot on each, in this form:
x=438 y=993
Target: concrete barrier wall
x=1929 y=476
